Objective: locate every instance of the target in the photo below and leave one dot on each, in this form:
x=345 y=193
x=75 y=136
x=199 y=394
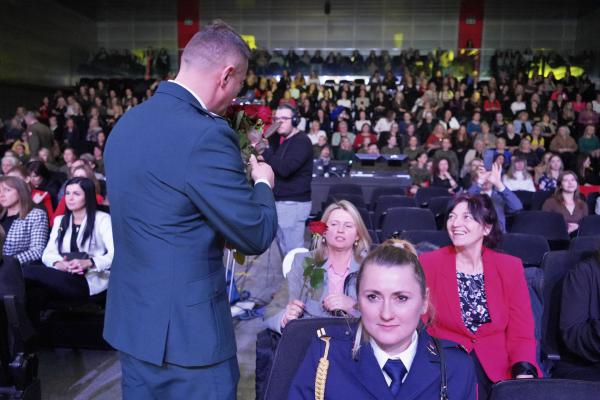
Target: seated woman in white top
x=517 y=177
x=80 y=251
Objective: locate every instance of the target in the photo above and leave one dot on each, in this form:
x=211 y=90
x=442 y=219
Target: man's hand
x=261 y=170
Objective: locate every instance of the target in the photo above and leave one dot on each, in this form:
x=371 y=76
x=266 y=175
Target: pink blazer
x=509 y=337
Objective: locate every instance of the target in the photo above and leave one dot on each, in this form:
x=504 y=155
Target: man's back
x=176 y=182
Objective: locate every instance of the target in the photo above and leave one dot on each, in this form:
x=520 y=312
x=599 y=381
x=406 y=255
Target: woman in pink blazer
x=480 y=296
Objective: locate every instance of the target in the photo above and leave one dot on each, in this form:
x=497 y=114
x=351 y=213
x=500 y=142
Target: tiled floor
x=68 y=374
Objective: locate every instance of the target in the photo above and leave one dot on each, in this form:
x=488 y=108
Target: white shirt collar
x=407 y=356
x=191 y=91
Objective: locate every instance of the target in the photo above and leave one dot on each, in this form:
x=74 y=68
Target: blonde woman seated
x=343 y=246
x=390 y=355
x=517 y=177
x=80 y=251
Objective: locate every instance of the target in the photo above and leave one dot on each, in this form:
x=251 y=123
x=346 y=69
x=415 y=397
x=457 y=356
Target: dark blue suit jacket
x=177 y=191
x=363 y=379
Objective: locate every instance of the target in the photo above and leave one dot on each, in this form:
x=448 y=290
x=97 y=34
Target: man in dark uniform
x=178 y=191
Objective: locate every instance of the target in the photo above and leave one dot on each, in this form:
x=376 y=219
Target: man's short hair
x=214 y=45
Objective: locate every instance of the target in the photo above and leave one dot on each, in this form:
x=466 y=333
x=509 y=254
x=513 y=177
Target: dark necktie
x=396 y=371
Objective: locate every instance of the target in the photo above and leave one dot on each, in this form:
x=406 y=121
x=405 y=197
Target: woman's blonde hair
x=24 y=192
x=391 y=253
x=363 y=243
x=511 y=171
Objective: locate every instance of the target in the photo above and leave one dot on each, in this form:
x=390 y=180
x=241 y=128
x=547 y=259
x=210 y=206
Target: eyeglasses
x=282 y=118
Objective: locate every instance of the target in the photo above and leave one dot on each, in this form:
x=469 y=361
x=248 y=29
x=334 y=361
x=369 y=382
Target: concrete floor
x=71 y=374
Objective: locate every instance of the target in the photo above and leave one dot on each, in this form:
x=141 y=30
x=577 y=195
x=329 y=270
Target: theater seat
x=545 y=389
x=550 y=225
x=529 y=248
x=401 y=219
x=589 y=226
x=425 y=194
x=389 y=201
x=436 y=238
x=295 y=339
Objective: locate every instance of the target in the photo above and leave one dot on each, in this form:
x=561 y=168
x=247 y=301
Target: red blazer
x=509 y=337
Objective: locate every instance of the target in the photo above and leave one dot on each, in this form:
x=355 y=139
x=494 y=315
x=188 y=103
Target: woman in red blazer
x=480 y=296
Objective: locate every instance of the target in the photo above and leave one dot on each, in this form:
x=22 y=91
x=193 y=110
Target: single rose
x=265 y=113
x=251 y=111
x=317 y=227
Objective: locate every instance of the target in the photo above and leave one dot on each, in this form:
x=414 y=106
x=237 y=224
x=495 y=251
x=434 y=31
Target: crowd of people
x=511 y=133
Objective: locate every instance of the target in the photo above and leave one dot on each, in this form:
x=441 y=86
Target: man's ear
x=226 y=75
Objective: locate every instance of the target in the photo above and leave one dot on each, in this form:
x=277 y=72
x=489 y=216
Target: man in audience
x=292 y=164
x=178 y=192
x=38 y=134
x=490 y=183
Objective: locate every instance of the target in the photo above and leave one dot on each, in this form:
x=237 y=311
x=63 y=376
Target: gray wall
x=352 y=23
x=42 y=42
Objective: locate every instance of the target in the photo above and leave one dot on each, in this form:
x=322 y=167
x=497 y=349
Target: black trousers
x=45 y=284
x=484 y=384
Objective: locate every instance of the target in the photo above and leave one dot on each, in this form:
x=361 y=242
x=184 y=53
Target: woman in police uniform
x=388 y=355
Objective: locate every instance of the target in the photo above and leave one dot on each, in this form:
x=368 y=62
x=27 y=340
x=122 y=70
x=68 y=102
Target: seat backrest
x=356 y=199
x=288 y=260
x=439 y=205
x=424 y=194
x=545 y=389
x=591 y=202
x=589 y=226
x=295 y=339
x=529 y=248
x=550 y=225
x=366 y=217
x=390 y=201
x=349 y=188
x=555 y=266
x=585 y=243
x=436 y=238
x=526 y=197
x=538 y=199
x=399 y=219
x=385 y=191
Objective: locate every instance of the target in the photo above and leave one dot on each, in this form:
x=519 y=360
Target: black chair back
x=591 y=201
x=390 y=201
x=550 y=225
x=526 y=198
x=385 y=191
x=529 y=248
x=295 y=339
x=555 y=266
x=436 y=238
x=585 y=244
x=538 y=199
x=545 y=389
x=349 y=188
x=356 y=199
x=589 y=226
x=401 y=219
x=425 y=194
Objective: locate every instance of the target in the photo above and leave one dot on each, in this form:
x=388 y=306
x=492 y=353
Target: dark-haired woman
x=39 y=177
x=480 y=296
x=80 y=251
x=567 y=201
x=388 y=355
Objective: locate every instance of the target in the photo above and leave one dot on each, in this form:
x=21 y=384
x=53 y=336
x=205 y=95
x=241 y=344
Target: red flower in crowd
x=266 y=114
x=251 y=111
x=317 y=227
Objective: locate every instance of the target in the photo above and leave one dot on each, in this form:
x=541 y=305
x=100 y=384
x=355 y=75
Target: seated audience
x=567 y=201
x=26 y=227
x=586 y=174
x=345 y=152
x=441 y=176
x=389 y=354
x=493 y=325
x=504 y=200
x=364 y=136
x=588 y=142
x=315 y=132
x=549 y=178
x=40 y=179
x=38 y=196
x=517 y=177
x=343 y=246
x=81 y=171
x=526 y=152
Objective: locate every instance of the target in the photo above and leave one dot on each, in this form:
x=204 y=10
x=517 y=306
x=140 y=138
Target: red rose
x=251 y=111
x=232 y=110
x=317 y=227
x=266 y=114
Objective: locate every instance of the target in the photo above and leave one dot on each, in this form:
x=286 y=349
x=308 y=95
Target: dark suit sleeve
x=296 y=155
x=580 y=332
x=217 y=185
x=303 y=384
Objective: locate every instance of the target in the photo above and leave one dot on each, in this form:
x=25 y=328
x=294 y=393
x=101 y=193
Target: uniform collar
x=407 y=356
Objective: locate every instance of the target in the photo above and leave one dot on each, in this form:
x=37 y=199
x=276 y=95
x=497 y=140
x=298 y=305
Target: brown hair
x=24 y=192
x=558 y=193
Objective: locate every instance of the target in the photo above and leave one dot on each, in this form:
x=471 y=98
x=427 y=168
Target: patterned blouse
x=547 y=183
x=473 y=302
